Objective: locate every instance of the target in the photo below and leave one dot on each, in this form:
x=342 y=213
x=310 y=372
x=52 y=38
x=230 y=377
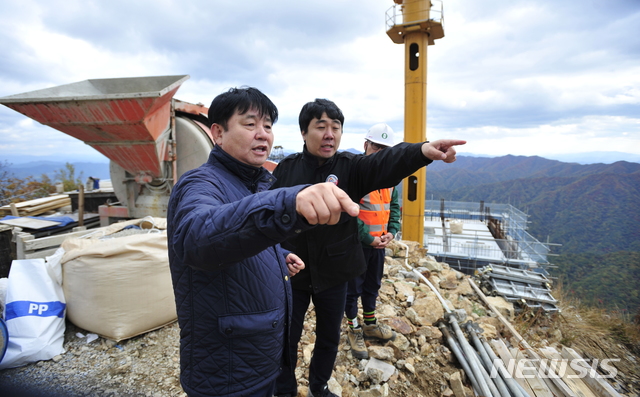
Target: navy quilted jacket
x=230 y=280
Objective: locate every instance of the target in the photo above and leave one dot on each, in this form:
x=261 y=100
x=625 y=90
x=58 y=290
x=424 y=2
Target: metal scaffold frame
x=510 y=244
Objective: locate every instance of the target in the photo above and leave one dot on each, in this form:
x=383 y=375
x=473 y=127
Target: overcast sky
x=519 y=77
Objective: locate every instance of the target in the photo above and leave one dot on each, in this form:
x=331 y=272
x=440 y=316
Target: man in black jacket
x=333 y=254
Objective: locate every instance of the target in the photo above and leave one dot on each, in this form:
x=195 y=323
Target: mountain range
x=38 y=168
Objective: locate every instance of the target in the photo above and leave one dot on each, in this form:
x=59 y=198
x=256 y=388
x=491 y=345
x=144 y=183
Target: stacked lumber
x=37 y=206
x=546 y=372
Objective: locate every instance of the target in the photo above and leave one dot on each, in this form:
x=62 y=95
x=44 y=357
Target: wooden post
x=21 y=238
x=81 y=205
x=14 y=210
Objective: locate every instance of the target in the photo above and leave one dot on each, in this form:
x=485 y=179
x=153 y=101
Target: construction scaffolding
x=471 y=235
x=277 y=154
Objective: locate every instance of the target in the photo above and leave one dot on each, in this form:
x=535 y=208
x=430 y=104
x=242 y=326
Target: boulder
x=503 y=306
x=404 y=290
x=401 y=325
x=382 y=353
x=428 y=310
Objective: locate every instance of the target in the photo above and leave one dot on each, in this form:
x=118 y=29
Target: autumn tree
x=15 y=190
x=67 y=176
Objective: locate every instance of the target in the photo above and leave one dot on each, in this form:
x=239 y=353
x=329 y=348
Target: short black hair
x=314 y=110
x=242 y=99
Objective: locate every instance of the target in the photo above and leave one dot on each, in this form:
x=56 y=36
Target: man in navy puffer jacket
x=230 y=275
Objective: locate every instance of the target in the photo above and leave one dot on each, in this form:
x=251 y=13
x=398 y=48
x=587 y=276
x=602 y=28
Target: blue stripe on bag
x=40 y=309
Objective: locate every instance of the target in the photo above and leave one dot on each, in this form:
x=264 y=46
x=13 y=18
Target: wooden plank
x=37 y=201
x=27 y=207
x=32 y=211
x=44 y=208
x=559 y=383
x=47 y=206
x=14 y=209
x=42 y=200
x=50 y=241
x=567 y=373
x=536 y=383
x=510 y=363
x=41 y=254
x=40 y=212
x=503 y=320
x=29 y=223
x=28 y=247
x=596 y=383
x=551 y=385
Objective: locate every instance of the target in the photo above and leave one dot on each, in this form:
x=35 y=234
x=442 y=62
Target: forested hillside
x=608 y=280
x=595 y=213
x=592 y=210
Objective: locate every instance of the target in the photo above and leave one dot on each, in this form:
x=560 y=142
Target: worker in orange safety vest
x=378 y=222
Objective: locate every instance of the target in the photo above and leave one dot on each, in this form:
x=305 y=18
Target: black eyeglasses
x=377 y=146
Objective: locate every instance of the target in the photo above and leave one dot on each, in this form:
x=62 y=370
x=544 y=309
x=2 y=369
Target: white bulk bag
x=119 y=287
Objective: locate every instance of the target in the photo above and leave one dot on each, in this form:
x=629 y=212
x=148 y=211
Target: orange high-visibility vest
x=375 y=210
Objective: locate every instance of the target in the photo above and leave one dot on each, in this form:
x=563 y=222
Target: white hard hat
x=381 y=134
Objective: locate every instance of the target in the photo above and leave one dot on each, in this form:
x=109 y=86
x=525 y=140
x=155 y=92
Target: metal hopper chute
x=150 y=138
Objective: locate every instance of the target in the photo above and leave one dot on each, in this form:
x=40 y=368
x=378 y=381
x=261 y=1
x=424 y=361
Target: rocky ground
x=417 y=363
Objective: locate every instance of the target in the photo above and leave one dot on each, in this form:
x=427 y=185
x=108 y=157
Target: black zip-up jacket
x=333 y=254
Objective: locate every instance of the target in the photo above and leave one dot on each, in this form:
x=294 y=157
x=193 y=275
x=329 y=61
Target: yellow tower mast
x=417 y=31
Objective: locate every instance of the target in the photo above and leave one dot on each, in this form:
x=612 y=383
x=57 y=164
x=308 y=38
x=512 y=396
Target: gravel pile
x=146 y=365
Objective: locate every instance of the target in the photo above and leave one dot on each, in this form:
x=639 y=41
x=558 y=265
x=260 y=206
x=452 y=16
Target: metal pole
x=487 y=378
x=482 y=383
x=460 y=356
x=469 y=353
x=512 y=384
x=502 y=387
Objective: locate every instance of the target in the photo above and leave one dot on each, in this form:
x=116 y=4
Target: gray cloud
x=524 y=63
x=517 y=65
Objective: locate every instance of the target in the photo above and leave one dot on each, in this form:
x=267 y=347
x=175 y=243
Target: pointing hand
x=442 y=149
x=322 y=204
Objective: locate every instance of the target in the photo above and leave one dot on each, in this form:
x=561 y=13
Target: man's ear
x=304 y=135
x=216 y=132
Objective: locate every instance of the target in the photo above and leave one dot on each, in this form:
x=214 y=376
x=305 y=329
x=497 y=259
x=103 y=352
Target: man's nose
x=261 y=132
